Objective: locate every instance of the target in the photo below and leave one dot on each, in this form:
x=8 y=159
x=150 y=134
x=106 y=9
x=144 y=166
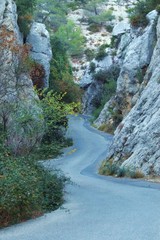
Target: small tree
x=95 y=12
x=52 y=13
x=71 y=37
x=93 y=5
x=103 y=17
x=55 y=112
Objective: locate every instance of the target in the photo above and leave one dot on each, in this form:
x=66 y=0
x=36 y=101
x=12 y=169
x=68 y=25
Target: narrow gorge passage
x=96 y=207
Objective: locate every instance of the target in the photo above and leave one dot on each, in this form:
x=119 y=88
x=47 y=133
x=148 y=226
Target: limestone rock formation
x=41 y=52
x=121 y=28
x=134 y=51
x=137 y=138
x=94 y=88
x=20 y=114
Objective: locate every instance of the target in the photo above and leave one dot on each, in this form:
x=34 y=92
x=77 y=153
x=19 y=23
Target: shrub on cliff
x=138 y=13
x=25 y=9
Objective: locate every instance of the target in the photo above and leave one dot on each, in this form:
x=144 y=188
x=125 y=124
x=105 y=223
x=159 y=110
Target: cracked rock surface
x=17 y=97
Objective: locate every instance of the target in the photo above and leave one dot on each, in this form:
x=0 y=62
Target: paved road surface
x=97 y=207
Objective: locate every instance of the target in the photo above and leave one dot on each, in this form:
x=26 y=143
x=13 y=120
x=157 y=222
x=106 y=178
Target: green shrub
x=89 y=54
x=138 y=13
x=104 y=46
x=97 y=111
x=52 y=189
x=71 y=37
x=50 y=150
x=108 y=128
x=55 y=112
x=101 y=54
x=101 y=76
x=107 y=76
x=101 y=18
x=110 y=168
x=72 y=5
x=25 y=9
x=94 y=28
x=122 y=172
x=92 y=67
x=109 y=28
x=61 y=76
x=27 y=190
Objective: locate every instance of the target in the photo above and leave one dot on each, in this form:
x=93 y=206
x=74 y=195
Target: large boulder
x=121 y=28
x=41 y=51
x=20 y=114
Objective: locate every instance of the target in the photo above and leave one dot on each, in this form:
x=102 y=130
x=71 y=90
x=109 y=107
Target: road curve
x=97 y=207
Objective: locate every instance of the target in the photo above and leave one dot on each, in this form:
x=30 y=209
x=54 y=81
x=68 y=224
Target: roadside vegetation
x=27 y=189
x=110 y=168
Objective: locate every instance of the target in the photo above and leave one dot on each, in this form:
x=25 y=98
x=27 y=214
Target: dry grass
x=110 y=168
x=108 y=128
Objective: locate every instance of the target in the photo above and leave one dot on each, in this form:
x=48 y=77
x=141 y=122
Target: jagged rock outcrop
x=134 y=51
x=121 y=28
x=93 y=87
x=20 y=114
x=137 y=138
x=41 y=52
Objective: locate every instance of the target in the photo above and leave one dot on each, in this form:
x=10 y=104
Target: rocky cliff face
x=135 y=108
x=137 y=138
x=134 y=53
x=20 y=114
x=93 y=87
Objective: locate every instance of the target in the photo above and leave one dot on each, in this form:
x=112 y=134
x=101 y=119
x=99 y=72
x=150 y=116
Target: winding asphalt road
x=97 y=207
